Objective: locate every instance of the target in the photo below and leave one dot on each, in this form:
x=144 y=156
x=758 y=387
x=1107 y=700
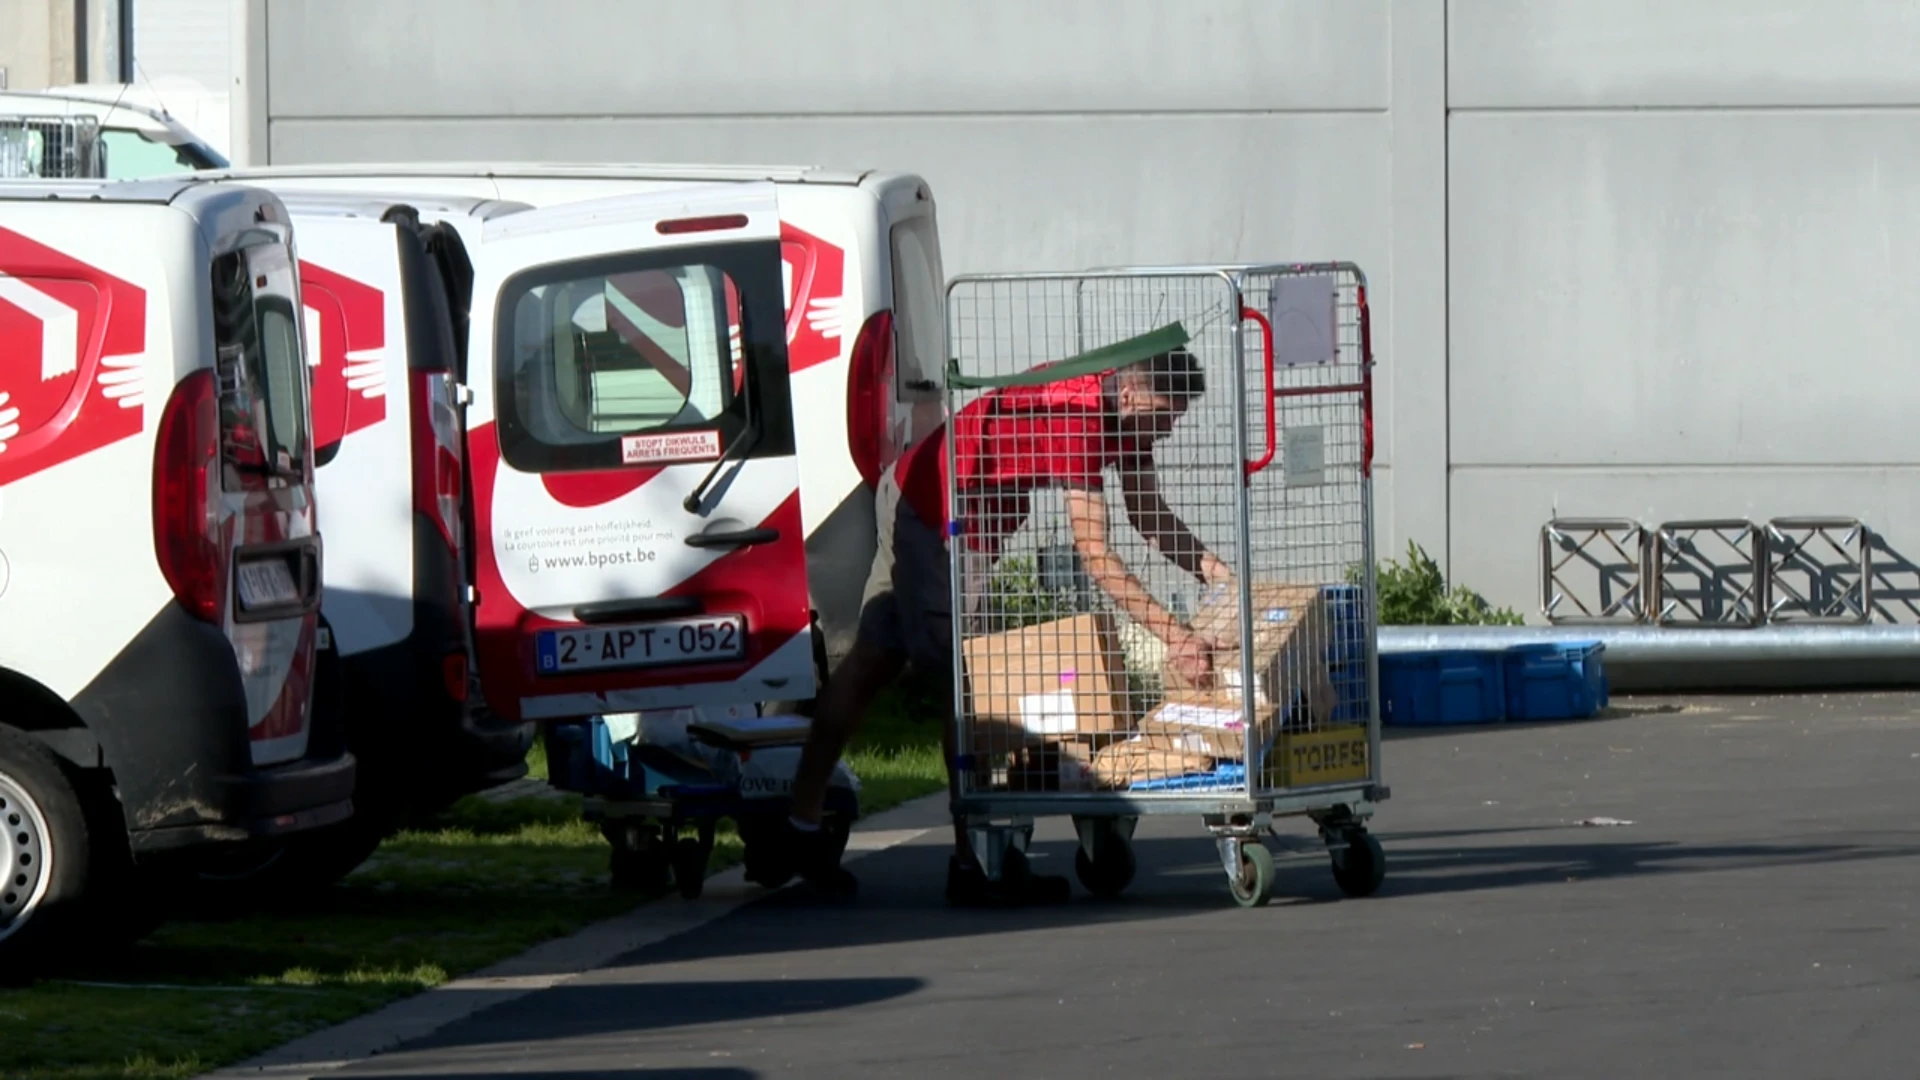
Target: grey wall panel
x=371 y=58
x=1685 y=288
x=1533 y=54
x=1497 y=513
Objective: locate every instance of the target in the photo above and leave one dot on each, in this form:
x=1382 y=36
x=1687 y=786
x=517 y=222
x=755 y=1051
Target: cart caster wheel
x=1110 y=870
x=690 y=867
x=1361 y=866
x=635 y=861
x=1253 y=886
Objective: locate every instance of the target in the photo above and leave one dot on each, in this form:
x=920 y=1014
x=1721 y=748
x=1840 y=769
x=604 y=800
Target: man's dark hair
x=1174 y=374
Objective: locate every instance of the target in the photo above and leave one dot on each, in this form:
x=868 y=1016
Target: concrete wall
x=1637 y=258
x=37 y=43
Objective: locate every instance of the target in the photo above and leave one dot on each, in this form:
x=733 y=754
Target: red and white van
x=631 y=454
x=380 y=290
x=865 y=320
x=159 y=559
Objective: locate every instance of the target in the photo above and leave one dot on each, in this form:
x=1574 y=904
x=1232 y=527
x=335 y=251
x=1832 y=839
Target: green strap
x=1106 y=358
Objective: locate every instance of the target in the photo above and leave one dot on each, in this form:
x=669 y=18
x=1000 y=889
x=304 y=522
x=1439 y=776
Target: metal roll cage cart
x=1064 y=705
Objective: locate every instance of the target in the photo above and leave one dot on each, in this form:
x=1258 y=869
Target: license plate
x=655 y=644
x=1330 y=756
x=266 y=583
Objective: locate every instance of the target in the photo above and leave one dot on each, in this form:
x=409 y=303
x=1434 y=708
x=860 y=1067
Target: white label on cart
x=1201 y=716
x=1304 y=321
x=1304 y=463
x=1049 y=714
x=1232 y=681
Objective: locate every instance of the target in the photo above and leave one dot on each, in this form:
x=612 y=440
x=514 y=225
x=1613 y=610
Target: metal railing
x=51 y=147
x=1723 y=572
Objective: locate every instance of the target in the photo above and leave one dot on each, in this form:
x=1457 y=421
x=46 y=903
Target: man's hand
x=1213 y=571
x=1192 y=659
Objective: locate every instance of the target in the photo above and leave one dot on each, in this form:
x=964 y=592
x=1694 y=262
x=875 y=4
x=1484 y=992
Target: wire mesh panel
x=51 y=147
x=1162 y=553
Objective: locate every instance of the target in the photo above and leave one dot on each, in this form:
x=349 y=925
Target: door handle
x=606 y=611
x=1266 y=398
x=733 y=538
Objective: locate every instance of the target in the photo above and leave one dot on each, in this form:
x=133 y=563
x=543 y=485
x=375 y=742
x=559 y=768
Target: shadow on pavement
x=902 y=889
x=583 y=1074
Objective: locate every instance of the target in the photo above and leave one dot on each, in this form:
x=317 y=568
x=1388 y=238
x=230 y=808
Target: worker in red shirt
x=1013 y=440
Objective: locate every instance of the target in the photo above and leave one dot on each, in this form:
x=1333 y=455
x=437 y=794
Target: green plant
x=1416 y=594
x=1016 y=597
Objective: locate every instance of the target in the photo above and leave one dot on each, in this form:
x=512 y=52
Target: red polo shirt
x=1010 y=442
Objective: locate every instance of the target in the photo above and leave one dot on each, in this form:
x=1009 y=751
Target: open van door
x=637 y=497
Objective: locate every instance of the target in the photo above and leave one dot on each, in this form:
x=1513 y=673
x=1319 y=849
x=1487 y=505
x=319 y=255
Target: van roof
x=787 y=174
x=162 y=191
x=219 y=211
x=375 y=205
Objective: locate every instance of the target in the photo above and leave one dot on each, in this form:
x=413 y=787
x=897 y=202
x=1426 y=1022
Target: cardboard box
x=1148 y=757
x=1054 y=681
x=1290 y=679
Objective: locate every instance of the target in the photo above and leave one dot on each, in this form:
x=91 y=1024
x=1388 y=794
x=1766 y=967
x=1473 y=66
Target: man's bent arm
x=1149 y=514
x=1088 y=511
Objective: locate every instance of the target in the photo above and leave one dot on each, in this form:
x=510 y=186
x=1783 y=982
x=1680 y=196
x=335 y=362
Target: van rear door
x=636 y=490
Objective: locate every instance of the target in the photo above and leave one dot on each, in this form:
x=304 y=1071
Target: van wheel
x=44 y=853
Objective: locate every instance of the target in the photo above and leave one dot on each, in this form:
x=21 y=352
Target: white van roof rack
x=789 y=174
x=94 y=190
x=34 y=147
x=374 y=204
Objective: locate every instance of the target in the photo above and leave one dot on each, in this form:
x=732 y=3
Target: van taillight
x=870 y=396
x=186 y=460
x=439 y=478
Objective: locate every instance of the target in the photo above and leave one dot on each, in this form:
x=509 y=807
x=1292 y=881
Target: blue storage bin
x=1555 y=681
x=1347 y=614
x=1228 y=776
x=1349 y=680
x=1455 y=686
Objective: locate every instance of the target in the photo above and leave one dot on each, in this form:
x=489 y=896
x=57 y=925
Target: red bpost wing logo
x=816 y=308
x=346 y=323
x=74 y=339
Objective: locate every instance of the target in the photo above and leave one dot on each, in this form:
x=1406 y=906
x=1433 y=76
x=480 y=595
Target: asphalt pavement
x=1747 y=911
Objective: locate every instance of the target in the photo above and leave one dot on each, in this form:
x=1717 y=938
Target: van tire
x=40 y=918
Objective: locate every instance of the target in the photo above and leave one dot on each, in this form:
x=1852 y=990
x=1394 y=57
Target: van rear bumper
x=270 y=802
x=170 y=716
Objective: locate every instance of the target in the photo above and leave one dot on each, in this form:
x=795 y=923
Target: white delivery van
x=384 y=298
x=630 y=455
x=865 y=320
x=160 y=637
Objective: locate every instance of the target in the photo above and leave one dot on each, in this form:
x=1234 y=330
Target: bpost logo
x=816 y=307
x=83 y=335
x=346 y=323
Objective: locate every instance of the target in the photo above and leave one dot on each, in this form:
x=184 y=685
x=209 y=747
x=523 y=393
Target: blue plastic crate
x=1556 y=680
x=1453 y=686
x=1347 y=614
x=1349 y=680
x=1229 y=775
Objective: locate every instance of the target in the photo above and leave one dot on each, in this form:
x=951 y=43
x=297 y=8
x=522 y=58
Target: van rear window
x=260 y=363
x=594 y=353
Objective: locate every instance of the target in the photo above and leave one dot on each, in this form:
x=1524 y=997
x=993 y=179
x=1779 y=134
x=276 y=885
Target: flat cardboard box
x=1290 y=639
x=1057 y=681
x=1148 y=757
